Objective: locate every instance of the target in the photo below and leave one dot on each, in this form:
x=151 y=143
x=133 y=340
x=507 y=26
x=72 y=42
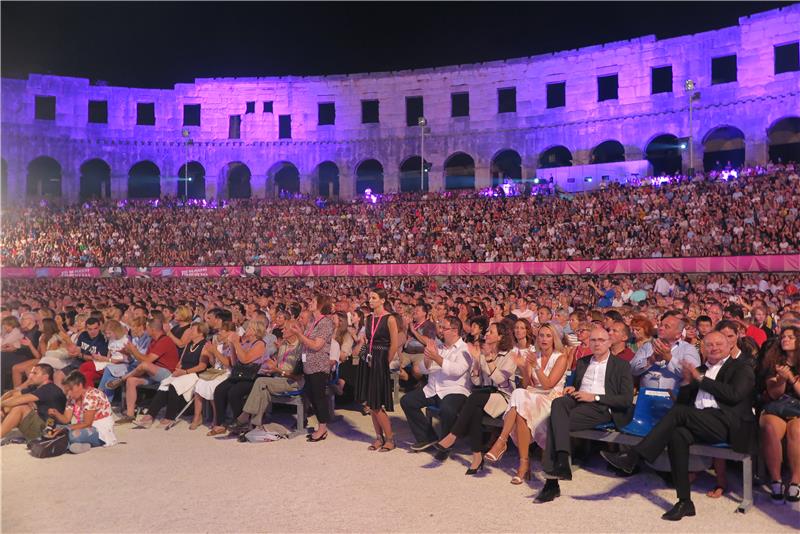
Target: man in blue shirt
x=659 y=362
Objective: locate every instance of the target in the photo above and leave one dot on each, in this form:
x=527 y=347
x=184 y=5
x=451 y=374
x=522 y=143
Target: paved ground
x=183 y=481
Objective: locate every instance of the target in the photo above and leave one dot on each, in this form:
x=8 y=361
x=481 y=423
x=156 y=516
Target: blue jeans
x=108 y=377
x=84 y=435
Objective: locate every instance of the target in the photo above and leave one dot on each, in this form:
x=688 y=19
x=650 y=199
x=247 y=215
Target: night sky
x=155 y=44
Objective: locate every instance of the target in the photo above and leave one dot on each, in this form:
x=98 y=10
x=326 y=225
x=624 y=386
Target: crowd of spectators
x=236 y=341
x=754 y=213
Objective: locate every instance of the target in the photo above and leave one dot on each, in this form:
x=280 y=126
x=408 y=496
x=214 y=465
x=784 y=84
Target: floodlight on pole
x=689 y=85
x=422 y=122
x=185 y=134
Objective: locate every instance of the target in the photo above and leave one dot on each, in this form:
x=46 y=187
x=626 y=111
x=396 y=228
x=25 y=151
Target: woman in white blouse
x=492 y=374
x=543 y=375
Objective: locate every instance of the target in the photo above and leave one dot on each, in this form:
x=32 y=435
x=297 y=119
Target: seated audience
x=27 y=406
x=87 y=418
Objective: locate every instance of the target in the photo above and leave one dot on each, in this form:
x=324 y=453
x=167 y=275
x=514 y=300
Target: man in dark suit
x=603 y=392
x=712 y=407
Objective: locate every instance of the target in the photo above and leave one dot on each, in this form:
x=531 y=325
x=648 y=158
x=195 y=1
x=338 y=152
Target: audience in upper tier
x=756 y=213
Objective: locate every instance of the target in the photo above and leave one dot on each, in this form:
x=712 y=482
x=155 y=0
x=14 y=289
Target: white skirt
x=205 y=388
x=184 y=385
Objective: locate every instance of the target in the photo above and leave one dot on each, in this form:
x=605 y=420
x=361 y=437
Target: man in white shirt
x=448 y=385
x=603 y=393
x=712 y=407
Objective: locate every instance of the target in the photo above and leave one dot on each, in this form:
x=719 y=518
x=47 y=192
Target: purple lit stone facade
x=753 y=104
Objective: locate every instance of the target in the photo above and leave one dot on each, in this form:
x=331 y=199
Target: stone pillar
x=70 y=186
x=258 y=185
x=169 y=184
x=306 y=184
x=391 y=181
x=119 y=186
x=435 y=180
x=17 y=181
x=581 y=157
x=483 y=177
x=756 y=151
x=347 y=183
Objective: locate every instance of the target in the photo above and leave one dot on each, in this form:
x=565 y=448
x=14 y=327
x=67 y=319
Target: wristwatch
x=597 y=398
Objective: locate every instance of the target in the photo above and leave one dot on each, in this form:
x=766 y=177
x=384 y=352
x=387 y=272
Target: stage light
x=587 y=179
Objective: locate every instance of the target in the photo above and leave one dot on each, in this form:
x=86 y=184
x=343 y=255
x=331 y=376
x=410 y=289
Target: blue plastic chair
x=570 y=380
x=651 y=406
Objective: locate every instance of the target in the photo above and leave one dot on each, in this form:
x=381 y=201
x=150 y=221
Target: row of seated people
x=750 y=215
x=178 y=351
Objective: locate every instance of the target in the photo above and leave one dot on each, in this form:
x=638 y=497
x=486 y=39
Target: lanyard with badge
x=308 y=333
x=373 y=331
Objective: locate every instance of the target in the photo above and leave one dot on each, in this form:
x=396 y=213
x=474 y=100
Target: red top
x=758 y=335
x=626 y=354
x=167 y=353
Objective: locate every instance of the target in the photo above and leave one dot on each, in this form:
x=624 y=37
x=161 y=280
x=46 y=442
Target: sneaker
x=79 y=448
x=793 y=492
x=422 y=445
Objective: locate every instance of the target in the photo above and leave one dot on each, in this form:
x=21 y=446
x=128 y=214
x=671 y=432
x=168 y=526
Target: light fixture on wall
x=422 y=122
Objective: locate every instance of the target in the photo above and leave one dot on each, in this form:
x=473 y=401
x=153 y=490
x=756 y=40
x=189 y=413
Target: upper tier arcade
x=622 y=101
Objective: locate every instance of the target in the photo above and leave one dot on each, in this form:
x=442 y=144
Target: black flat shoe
x=549 y=492
x=442 y=449
x=314 y=440
x=679 y=511
x=472 y=471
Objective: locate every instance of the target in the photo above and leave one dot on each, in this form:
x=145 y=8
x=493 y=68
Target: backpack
x=49 y=447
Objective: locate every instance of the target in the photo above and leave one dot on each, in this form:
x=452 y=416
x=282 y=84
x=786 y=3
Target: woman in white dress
x=218 y=354
x=543 y=375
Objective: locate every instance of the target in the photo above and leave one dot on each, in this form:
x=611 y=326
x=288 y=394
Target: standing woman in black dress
x=382 y=341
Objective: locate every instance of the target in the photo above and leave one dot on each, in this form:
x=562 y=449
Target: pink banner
x=722 y=264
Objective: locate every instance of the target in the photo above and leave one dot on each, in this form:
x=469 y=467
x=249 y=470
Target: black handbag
x=485 y=389
x=786 y=407
x=49 y=447
x=245 y=372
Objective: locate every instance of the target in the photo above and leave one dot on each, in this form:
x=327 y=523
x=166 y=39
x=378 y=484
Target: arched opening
x=286 y=178
x=506 y=165
x=238 y=179
x=95 y=180
x=784 y=140
x=327 y=179
x=192 y=180
x=44 y=177
x=608 y=152
x=723 y=147
x=664 y=154
x=3 y=180
x=144 y=180
x=557 y=156
x=412 y=177
x=369 y=175
x=459 y=172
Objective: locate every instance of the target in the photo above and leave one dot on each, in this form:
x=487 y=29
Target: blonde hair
x=116 y=328
x=259 y=328
x=202 y=328
x=183 y=314
x=558 y=346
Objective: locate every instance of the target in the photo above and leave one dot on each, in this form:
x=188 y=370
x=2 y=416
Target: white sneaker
x=79 y=448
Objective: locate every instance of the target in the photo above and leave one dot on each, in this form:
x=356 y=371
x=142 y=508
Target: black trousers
x=170 y=399
x=234 y=392
x=566 y=415
x=470 y=420
x=678 y=430
x=413 y=403
x=316 y=384
x=9 y=360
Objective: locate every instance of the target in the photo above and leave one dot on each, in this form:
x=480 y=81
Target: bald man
x=714 y=405
x=603 y=392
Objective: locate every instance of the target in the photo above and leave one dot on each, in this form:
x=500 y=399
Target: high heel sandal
x=519 y=478
x=377 y=444
x=495 y=456
x=312 y=439
x=472 y=471
x=385 y=447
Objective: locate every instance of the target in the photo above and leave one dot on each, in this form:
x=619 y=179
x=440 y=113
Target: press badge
x=368 y=359
x=303 y=357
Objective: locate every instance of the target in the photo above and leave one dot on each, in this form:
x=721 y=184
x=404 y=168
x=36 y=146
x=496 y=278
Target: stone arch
x=723 y=146
x=610 y=151
x=369 y=175
x=326 y=179
x=237 y=176
x=144 y=180
x=192 y=180
x=3 y=180
x=783 y=138
x=555 y=156
x=44 y=177
x=459 y=172
x=95 y=180
x=664 y=154
x=506 y=165
x=412 y=177
x=285 y=178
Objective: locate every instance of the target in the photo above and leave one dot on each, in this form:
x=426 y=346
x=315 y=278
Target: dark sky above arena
x=158 y=44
